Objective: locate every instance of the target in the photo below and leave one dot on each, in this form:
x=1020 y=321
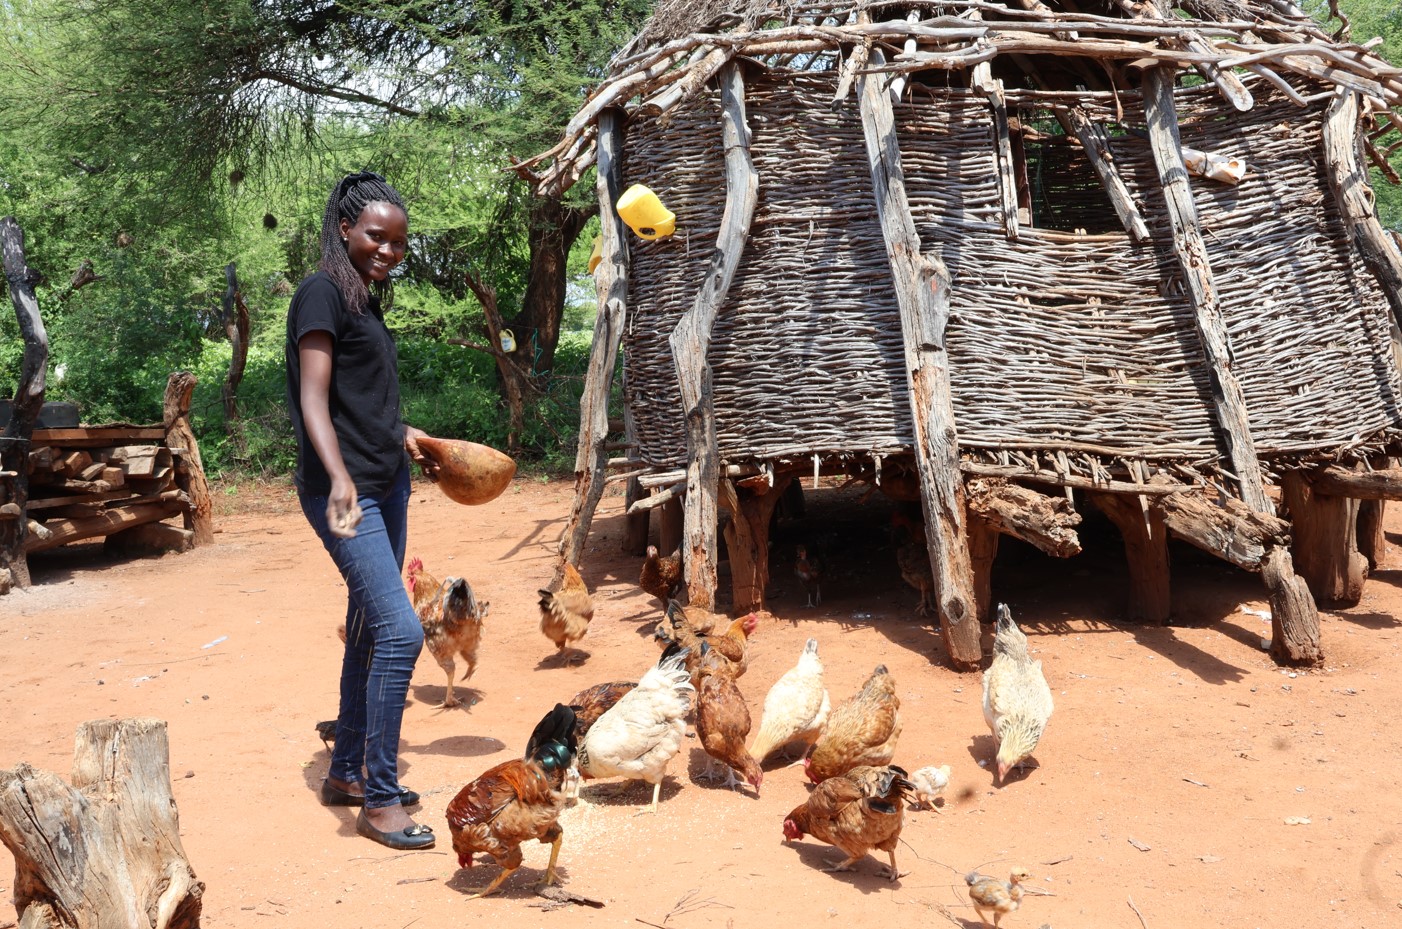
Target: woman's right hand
x=342 y=510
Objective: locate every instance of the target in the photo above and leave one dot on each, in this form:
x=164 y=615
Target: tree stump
x=1324 y=543
x=1146 y=552
x=105 y=852
x=189 y=471
x=1294 y=620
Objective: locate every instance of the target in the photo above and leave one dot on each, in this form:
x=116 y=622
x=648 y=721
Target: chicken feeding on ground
x=723 y=720
x=515 y=801
x=809 y=569
x=991 y=895
x=857 y=811
x=452 y=620
x=565 y=614
x=929 y=783
x=588 y=705
x=689 y=627
x=1016 y=699
x=661 y=576
x=795 y=708
x=862 y=731
x=638 y=737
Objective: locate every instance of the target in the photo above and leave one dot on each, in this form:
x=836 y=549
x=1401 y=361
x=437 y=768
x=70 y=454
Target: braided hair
x=349 y=197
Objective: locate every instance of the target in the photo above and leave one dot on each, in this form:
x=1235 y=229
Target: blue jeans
x=383 y=639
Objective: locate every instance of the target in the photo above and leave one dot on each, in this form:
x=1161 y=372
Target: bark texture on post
x=983 y=551
x=28 y=401
x=591 y=460
x=922 y=292
x=1324 y=544
x=691 y=342
x=1292 y=642
x=747 y=539
x=105 y=852
x=1048 y=523
x=189 y=468
x=1372 y=540
x=636 y=525
x=1146 y=553
x=235 y=318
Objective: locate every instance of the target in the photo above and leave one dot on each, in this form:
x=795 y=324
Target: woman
x=353 y=483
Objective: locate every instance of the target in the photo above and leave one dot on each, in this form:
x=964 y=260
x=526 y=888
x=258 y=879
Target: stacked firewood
x=104 y=490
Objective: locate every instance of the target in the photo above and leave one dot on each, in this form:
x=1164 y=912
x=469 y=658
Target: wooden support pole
x=670 y=521
x=591 y=459
x=1188 y=247
x=234 y=315
x=1102 y=160
x=922 y=292
x=1048 y=523
x=28 y=401
x=635 y=525
x=189 y=475
x=983 y=551
x=992 y=88
x=747 y=539
x=1324 y=544
x=1372 y=540
x=1146 y=553
x=105 y=852
x=1291 y=641
x=691 y=342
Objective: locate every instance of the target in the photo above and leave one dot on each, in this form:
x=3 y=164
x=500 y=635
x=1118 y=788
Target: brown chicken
x=723 y=720
x=689 y=627
x=565 y=614
x=661 y=576
x=452 y=621
x=861 y=731
x=914 y=562
x=991 y=895
x=809 y=570
x=857 y=811
x=592 y=702
x=515 y=801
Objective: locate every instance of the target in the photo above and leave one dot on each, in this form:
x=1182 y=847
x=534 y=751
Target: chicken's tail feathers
x=973 y=877
x=552 y=744
x=811 y=647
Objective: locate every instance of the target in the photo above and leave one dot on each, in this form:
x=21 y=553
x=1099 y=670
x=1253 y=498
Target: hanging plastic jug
x=597 y=255
x=645 y=214
x=508 y=341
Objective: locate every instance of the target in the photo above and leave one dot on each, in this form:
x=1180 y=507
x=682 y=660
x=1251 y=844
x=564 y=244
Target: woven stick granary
x=963 y=248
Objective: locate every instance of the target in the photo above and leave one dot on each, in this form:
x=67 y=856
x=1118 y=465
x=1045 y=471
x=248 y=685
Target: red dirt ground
x=1162 y=798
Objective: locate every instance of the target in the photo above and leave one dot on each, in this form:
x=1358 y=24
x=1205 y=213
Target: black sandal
x=331 y=795
x=413 y=838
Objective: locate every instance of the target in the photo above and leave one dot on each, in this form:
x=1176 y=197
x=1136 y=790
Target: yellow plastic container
x=597 y=255
x=645 y=214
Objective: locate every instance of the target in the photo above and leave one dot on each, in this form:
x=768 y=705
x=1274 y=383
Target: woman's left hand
x=416 y=454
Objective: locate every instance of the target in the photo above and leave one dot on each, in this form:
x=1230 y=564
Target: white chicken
x=1016 y=699
x=796 y=707
x=640 y=734
x=929 y=783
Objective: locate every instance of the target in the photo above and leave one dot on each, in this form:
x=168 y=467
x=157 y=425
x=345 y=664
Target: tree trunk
x=513 y=370
x=1146 y=553
x=552 y=232
x=104 y=853
x=235 y=318
x=28 y=401
x=1324 y=543
x=189 y=470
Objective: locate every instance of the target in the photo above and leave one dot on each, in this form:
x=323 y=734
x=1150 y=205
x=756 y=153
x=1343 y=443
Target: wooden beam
x=747 y=540
x=922 y=292
x=1102 y=160
x=97 y=436
x=992 y=89
x=1231 y=531
x=1228 y=401
x=1384 y=484
x=611 y=278
x=1047 y=523
x=113 y=519
x=691 y=342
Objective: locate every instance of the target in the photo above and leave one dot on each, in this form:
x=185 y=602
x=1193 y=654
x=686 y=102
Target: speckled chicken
x=451 y=617
x=1016 y=699
x=515 y=801
x=723 y=720
x=565 y=614
x=796 y=707
x=990 y=895
x=862 y=730
x=857 y=811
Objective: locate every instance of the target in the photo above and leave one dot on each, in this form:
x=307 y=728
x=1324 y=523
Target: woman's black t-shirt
x=364 y=394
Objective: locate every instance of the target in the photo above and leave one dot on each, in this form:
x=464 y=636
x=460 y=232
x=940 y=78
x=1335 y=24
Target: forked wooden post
x=691 y=341
x=1146 y=553
x=747 y=538
x=105 y=852
x=1296 y=638
x=591 y=460
x=189 y=469
x=922 y=292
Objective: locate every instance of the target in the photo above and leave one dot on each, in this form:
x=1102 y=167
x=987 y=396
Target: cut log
x=114 y=477
x=150 y=539
x=1037 y=519
x=1324 y=546
x=922 y=293
x=105 y=852
x=1146 y=553
x=94 y=471
x=747 y=540
x=611 y=281
x=41 y=459
x=180 y=440
x=1339 y=481
x=1232 y=531
x=112 y=520
x=690 y=342
x=76 y=462
x=1294 y=619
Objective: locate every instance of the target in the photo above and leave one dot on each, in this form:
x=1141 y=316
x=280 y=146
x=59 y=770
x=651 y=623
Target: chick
x=991 y=895
x=929 y=783
x=1016 y=699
